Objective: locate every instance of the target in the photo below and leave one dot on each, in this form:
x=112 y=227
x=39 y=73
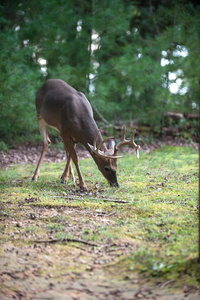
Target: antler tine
x=100 y=145
x=132 y=138
x=124 y=133
x=95 y=140
x=128 y=142
x=133 y=135
x=105 y=140
x=137 y=151
x=100 y=153
x=97 y=150
x=135 y=145
x=123 y=140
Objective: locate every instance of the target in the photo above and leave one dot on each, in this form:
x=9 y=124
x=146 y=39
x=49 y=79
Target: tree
x=127 y=56
x=136 y=57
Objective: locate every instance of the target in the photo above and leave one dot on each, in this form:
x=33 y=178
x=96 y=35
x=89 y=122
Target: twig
x=110 y=214
x=166 y=283
x=114 y=200
x=68 y=240
x=92 y=198
x=9 y=274
x=102 y=199
x=105 y=246
x=100 y=115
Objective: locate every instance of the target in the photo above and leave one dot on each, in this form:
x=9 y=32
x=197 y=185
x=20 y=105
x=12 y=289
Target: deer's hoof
x=64 y=181
x=83 y=188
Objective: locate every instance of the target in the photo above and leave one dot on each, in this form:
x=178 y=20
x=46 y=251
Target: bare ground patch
x=37 y=264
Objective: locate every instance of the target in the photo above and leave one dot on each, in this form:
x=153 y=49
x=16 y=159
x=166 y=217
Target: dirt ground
x=52 y=270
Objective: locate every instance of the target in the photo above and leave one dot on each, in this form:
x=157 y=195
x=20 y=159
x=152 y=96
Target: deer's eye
x=107 y=169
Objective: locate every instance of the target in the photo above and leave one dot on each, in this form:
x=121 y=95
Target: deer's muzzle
x=114 y=184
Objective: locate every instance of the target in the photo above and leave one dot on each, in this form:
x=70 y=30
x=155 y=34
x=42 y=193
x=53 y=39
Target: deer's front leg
x=69 y=148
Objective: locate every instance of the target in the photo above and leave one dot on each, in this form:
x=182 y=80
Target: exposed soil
x=30 y=155
x=48 y=268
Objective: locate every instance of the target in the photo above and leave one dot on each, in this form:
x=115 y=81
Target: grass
x=158 y=217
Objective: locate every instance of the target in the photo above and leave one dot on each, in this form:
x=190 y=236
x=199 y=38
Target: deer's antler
x=97 y=150
x=128 y=142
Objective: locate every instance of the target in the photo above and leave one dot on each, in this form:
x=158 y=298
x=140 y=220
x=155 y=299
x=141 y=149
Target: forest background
x=134 y=60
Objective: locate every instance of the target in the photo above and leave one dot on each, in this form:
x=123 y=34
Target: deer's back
x=58 y=103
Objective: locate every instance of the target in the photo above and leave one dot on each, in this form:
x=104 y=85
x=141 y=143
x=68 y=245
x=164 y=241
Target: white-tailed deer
x=60 y=106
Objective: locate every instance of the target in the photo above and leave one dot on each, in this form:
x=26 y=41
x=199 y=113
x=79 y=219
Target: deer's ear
x=111 y=144
x=109 y=152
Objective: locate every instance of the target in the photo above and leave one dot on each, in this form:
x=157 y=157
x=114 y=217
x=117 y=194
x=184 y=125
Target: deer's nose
x=114 y=184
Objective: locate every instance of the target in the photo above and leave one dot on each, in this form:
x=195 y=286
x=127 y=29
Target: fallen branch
x=67 y=240
x=10 y=274
x=114 y=200
x=92 y=198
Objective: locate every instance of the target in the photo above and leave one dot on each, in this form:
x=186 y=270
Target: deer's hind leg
x=46 y=141
x=68 y=170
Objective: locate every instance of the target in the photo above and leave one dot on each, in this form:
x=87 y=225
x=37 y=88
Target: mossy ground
x=147 y=228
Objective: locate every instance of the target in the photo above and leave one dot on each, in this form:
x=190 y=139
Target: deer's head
x=106 y=160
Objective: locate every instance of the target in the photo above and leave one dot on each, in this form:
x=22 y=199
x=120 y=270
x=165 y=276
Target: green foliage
x=110 y=50
x=19 y=83
x=130 y=74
